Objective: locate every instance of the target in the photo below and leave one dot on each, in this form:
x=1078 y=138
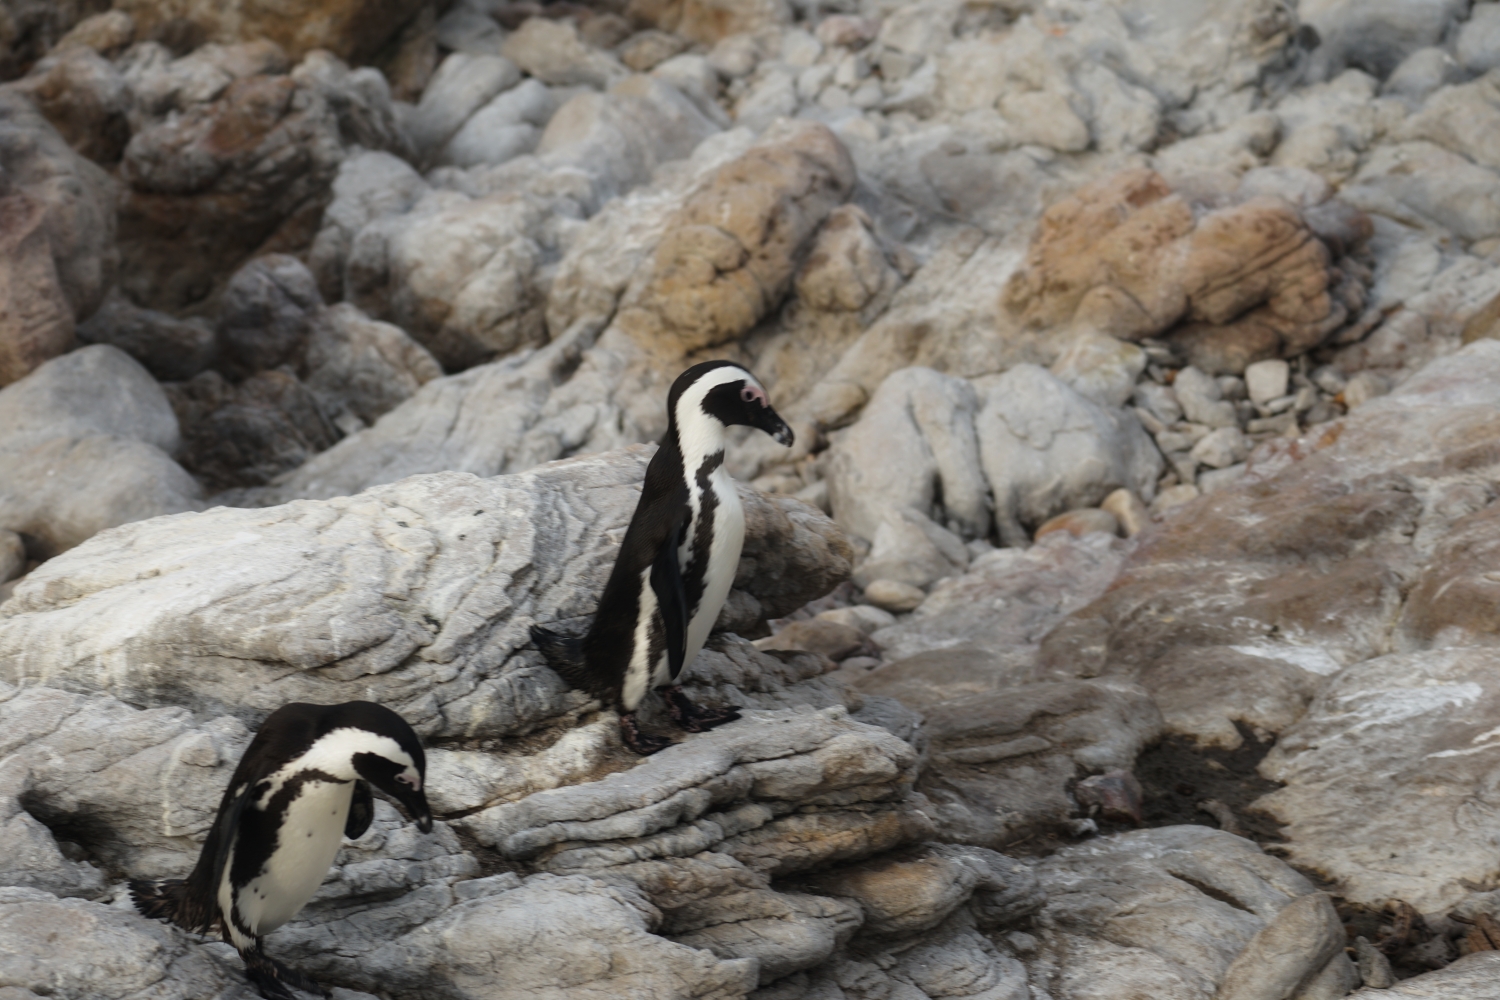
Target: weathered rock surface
x=442 y=640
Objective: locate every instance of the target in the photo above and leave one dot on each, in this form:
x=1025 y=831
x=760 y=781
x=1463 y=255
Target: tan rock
x=893 y=595
x=1128 y=510
x=1125 y=255
x=832 y=639
x=732 y=249
x=107 y=33
x=1080 y=522
x=709 y=21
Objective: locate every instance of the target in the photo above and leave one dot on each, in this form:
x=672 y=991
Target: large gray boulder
x=85 y=444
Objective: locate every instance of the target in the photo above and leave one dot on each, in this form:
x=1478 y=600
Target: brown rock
x=57 y=232
x=1249 y=281
x=35 y=321
x=354 y=30
x=28 y=28
x=249 y=171
x=108 y=33
x=707 y=21
x=732 y=249
x=831 y=639
x=86 y=100
x=1457 y=598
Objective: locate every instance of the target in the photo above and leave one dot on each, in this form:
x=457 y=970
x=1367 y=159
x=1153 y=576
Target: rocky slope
x=1120 y=625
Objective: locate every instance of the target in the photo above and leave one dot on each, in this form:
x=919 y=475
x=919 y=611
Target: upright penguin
x=677 y=561
x=301 y=787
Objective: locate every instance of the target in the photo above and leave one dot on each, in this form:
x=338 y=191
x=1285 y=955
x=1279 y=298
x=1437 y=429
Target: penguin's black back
x=663 y=507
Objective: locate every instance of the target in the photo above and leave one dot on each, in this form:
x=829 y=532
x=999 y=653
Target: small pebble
x=1174 y=496
x=894 y=596
x=1364 y=387
x=1267 y=380
x=1128 y=510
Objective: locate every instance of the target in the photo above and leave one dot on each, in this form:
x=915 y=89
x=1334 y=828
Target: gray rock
x=84 y=446
x=1470 y=978
x=1421 y=73
x=1409 y=717
x=1374 y=968
x=506 y=127
x=32 y=856
x=1202 y=399
x=265 y=313
x=1159 y=912
x=111 y=954
x=1375 y=39
x=1478 y=47
x=914 y=442
x=462 y=85
x=168 y=347
x=362 y=367
x=1046 y=449
x=1288 y=953
x=369 y=185
x=1221 y=448
x=360 y=100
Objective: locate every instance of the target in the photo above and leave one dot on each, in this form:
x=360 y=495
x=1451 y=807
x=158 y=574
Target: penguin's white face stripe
x=334 y=754
x=699 y=434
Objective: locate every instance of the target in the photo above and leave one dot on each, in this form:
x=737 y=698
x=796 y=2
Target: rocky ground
x=1123 y=623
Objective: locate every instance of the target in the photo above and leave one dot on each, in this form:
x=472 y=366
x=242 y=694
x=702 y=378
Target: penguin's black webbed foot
x=642 y=743
x=692 y=718
x=275 y=981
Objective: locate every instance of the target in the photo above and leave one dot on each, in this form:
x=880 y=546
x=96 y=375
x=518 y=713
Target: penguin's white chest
x=726 y=541
x=309 y=839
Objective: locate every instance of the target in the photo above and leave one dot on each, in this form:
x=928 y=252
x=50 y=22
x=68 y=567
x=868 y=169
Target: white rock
x=914 y=442
x=1478 y=47
x=1267 y=380
x=1201 y=399
x=1046 y=449
x=1221 y=448
x=551 y=51
x=506 y=127
x=1101 y=367
x=463 y=84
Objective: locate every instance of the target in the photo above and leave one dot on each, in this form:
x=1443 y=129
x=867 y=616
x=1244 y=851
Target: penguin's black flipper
x=666 y=582
x=564 y=654
x=361 y=811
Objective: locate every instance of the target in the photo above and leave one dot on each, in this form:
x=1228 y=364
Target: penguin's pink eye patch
x=411 y=778
x=754 y=394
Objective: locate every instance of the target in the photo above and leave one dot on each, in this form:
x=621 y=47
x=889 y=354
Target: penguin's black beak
x=770 y=421
x=424 y=822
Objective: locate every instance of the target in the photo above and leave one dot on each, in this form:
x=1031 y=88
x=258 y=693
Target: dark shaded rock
x=265 y=313
x=172 y=349
x=247 y=434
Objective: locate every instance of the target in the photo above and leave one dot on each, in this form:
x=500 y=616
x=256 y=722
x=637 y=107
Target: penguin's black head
x=386 y=752
x=727 y=393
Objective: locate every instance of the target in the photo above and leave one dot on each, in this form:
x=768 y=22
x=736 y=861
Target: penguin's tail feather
x=174 y=901
x=564 y=654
